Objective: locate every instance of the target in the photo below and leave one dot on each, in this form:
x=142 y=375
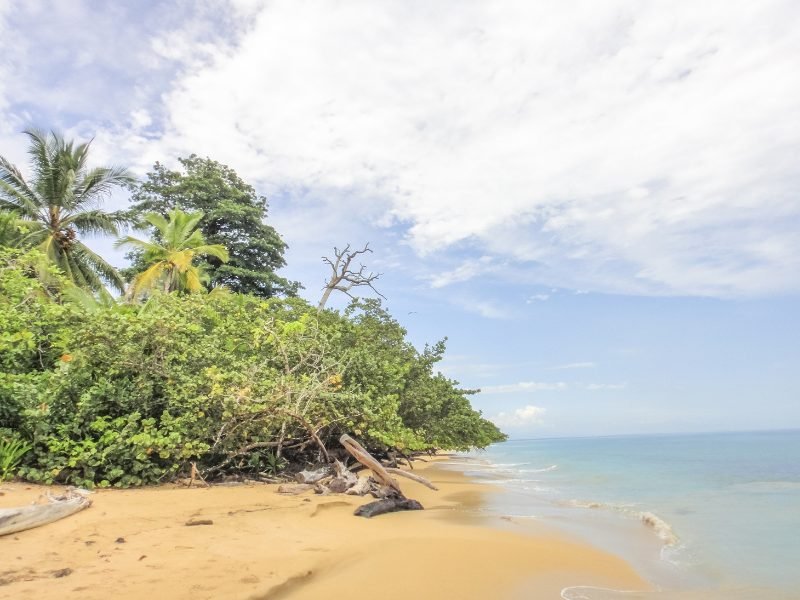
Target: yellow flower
x=66 y=357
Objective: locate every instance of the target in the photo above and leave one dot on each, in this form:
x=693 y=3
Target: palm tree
x=61 y=202
x=171 y=254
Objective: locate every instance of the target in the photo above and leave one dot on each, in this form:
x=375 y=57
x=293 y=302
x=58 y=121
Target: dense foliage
x=234 y=217
x=127 y=394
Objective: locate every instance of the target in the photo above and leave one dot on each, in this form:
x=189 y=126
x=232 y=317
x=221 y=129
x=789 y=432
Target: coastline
x=263 y=545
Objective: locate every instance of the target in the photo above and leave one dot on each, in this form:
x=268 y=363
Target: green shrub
x=11 y=452
x=124 y=395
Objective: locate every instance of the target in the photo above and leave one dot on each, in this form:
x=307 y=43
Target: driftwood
x=412 y=477
x=366 y=459
x=313 y=476
x=393 y=497
x=13 y=520
x=387 y=505
x=361 y=487
x=344 y=480
x=337 y=478
x=294 y=488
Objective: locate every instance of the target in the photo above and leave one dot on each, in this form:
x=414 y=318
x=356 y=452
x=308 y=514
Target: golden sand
x=135 y=544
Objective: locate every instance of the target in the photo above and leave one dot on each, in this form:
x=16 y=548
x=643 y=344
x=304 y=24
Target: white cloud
x=524 y=386
x=537 y=298
x=485 y=308
x=619 y=146
x=464 y=272
x=521 y=417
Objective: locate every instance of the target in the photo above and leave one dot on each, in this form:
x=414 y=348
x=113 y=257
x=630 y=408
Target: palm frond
x=92 y=221
x=182 y=259
x=216 y=250
x=97 y=265
x=188 y=224
x=100 y=182
x=15 y=193
x=147 y=280
x=158 y=221
x=153 y=248
x=192 y=281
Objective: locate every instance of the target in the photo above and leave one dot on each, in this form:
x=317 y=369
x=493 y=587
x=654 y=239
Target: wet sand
x=134 y=544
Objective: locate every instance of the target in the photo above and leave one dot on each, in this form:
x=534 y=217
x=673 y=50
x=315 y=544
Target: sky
x=598 y=203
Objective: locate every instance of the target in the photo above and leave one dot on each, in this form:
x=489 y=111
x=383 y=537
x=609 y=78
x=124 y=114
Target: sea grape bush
x=123 y=394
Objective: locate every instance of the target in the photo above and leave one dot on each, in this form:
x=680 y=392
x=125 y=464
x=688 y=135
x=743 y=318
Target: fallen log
x=412 y=477
x=366 y=459
x=388 y=505
x=13 y=520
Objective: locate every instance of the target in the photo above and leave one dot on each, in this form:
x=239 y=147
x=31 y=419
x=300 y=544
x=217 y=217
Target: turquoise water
x=701 y=515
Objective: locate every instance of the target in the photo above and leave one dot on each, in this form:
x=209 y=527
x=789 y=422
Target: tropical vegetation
x=234 y=216
x=61 y=203
x=102 y=392
x=170 y=256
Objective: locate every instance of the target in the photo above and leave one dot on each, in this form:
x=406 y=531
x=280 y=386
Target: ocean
x=708 y=516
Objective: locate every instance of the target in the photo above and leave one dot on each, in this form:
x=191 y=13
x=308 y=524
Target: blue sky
x=598 y=203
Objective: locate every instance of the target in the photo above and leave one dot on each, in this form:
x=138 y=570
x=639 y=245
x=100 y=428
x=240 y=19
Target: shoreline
x=262 y=545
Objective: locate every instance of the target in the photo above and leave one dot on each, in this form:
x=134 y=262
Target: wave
x=662 y=529
x=660 y=526
x=543 y=470
x=578 y=592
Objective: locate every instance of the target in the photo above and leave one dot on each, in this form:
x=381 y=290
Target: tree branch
x=344 y=278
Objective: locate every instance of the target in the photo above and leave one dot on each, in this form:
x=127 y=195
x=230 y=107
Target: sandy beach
x=263 y=545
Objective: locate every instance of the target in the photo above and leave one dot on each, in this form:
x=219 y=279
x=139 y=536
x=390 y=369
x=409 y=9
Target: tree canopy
x=234 y=217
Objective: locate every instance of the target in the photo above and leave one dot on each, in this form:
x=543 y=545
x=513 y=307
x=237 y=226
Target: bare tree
x=344 y=277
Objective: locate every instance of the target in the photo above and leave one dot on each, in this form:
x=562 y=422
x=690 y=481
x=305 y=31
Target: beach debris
x=392 y=497
x=194 y=522
x=412 y=477
x=313 y=476
x=119 y=540
x=13 y=520
x=361 y=487
x=387 y=505
x=195 y=475
x=337 y=478
x=365 y=458
x=62 y=572
x=294 y=489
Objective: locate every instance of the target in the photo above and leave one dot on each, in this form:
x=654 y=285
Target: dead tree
x=344 y=277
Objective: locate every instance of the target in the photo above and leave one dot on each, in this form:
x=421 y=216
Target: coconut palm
x=170 y=255
x=62 y=202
